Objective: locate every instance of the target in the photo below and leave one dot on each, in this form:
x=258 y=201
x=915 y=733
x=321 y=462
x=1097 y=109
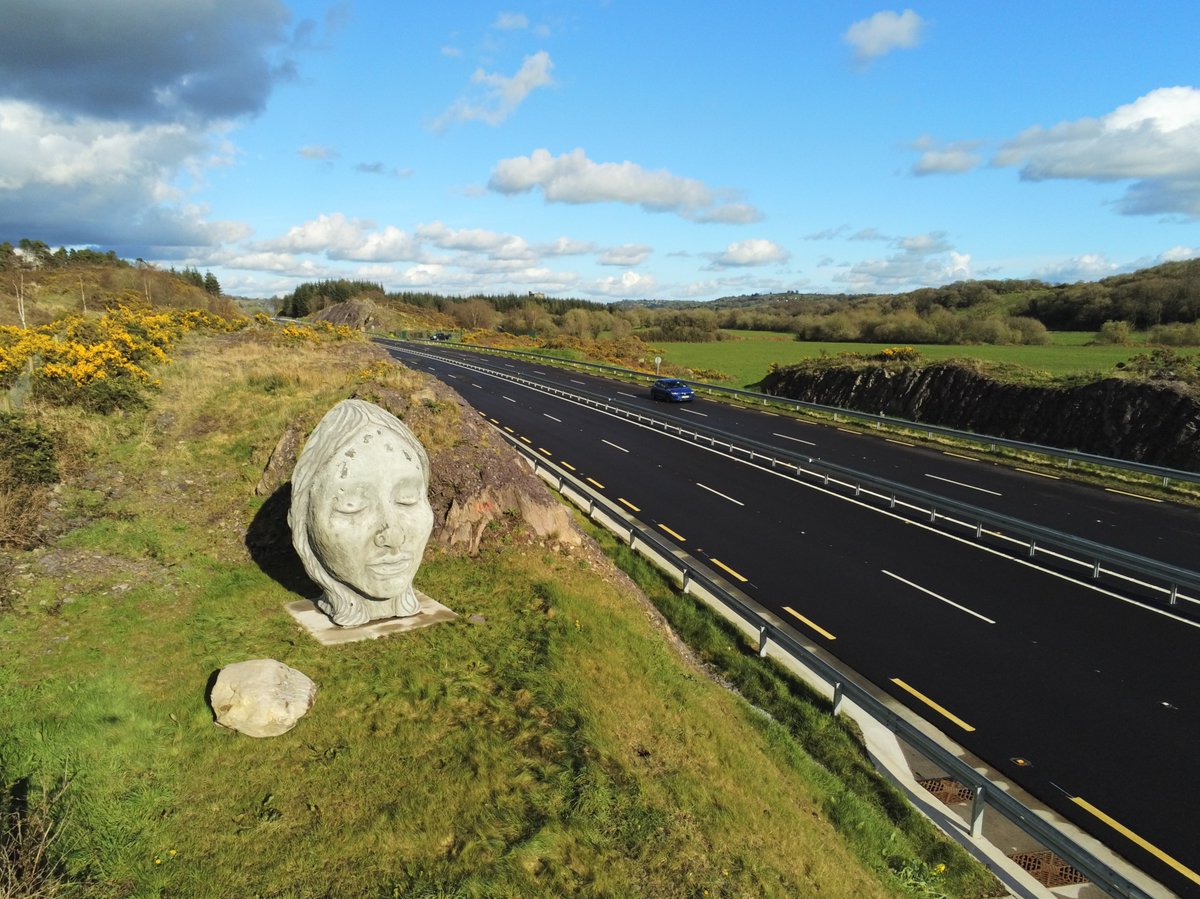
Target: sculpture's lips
x=391 y=566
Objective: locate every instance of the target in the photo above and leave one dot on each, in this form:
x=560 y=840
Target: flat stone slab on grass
x=327 y=633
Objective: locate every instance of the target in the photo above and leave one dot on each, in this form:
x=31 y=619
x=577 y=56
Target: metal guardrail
x=1033 y=538
x=1071 y=456
x=985 y=792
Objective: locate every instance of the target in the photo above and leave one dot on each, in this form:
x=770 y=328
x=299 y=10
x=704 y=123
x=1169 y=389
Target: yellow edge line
x=493 y=421
x=597 y=483
x=933 y=705
x=672 y=533
x=1152 y=499
x=1052 y=477
x=626 y=502
x=901 y=442
x=544 y=451
x=727 y=569
x=816 y=627
x=959 y=456
x=510 y=430
x=527 y=440
x=1149 y=847
x=567 y=465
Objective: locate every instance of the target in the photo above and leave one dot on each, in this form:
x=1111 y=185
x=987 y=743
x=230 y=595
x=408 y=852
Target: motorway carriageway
x=1086 y=700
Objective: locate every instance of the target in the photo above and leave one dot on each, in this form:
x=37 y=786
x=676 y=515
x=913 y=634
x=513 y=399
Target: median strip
x=816 y=627
x=1145 y=844
x=933 y=705
x=728 y=570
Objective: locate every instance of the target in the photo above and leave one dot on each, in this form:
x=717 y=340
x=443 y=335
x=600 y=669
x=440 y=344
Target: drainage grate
x=948 y=790
x=1048 y=869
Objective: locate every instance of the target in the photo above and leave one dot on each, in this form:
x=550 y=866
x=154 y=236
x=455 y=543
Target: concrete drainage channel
x=1034 y=853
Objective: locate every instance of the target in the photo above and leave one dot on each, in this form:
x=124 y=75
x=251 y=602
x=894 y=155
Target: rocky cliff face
x=1132 y=420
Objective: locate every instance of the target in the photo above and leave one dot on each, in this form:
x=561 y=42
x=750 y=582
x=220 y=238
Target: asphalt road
x=1098 y=695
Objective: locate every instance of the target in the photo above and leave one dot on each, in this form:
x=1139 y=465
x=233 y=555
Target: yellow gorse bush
x=75 y=352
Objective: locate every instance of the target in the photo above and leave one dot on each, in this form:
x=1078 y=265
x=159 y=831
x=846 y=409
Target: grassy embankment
x=747 y=357
x=560 y=746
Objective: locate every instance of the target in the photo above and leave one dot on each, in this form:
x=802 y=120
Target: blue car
x=672 y=390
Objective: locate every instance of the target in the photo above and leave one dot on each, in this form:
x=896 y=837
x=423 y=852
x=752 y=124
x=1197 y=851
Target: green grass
x=746 y=359
x=556 y=745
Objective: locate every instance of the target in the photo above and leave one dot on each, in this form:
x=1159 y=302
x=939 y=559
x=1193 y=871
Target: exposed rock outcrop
x=1158 y=424
x=261 y=697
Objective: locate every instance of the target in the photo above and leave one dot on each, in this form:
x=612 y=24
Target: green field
x=746 y=357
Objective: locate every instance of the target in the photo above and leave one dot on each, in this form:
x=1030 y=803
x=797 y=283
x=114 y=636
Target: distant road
x=1098 y=697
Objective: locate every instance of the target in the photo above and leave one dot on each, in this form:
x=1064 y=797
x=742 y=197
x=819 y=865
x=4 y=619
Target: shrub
x=28 y=453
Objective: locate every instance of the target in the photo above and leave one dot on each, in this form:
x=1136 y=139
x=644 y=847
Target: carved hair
x=341 y=424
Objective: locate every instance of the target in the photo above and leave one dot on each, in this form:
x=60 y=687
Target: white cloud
x=1094 y=266
x=337 y=237
x=452 y=52
x=629 y=284
x=573 y=178
x=952 y=158
x=884 y=32
x=1154 y=141
x=629 y=254
x=317 y=151
x=923 y=260
x=498 y=96
x=476 y=240
x=565 y=246
x=1179 y=254
x=1087 y=267
x=78 y=180
x=511 y=21
x=757 y=251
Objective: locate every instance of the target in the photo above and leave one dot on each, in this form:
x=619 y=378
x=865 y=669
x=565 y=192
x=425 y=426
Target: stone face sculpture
x=360 y=513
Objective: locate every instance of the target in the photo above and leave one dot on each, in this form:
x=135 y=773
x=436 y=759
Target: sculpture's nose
x=391 y=530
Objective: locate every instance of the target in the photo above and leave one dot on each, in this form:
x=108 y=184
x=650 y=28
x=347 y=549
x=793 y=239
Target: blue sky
x=605 y=150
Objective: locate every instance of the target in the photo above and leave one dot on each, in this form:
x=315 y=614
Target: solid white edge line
x=797 y=439
x=720 y=494
x=948 y=602
x=961 y=484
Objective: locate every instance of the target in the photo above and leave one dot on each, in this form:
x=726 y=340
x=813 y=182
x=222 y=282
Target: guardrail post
x=892 y=504
x=1174 y=595
x=1032 y=548
x=978 y=804
x=632 y=537
x=839 y=694
x=932 y=515
x=1096 y=571
x=1166 y=481
x=978 y=529
x=762 y=641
